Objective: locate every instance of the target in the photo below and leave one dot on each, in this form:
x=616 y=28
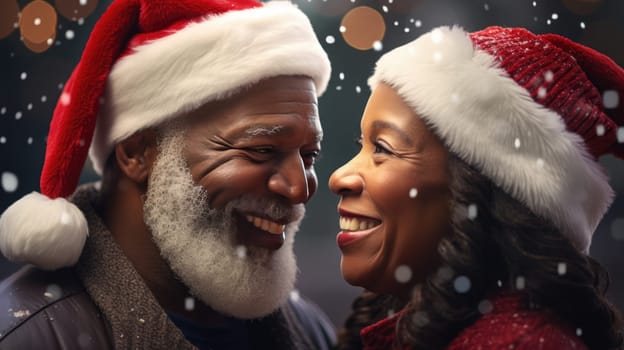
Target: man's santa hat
x=148 y=61
x=525 y=109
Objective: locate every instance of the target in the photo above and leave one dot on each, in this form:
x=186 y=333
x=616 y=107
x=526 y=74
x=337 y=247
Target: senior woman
x=468 y=213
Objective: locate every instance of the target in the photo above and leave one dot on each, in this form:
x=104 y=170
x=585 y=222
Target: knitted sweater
x=509 y=325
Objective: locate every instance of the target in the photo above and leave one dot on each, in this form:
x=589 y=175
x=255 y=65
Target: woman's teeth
x=356 y=224
x=266 y=225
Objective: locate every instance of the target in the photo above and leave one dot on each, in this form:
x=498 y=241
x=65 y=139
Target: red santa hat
x=146 y=62
x=525 y=109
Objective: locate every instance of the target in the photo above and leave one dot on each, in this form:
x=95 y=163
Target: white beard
x=198 y=242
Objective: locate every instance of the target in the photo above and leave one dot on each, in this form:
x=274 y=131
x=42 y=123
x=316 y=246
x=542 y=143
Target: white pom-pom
x=48 y=233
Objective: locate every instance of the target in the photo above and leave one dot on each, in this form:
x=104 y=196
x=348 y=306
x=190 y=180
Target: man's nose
x=290 y=180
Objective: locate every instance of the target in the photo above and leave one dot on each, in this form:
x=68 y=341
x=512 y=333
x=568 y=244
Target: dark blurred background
x=41 y=41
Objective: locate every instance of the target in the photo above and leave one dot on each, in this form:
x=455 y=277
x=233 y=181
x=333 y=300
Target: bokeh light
x=363 y=26
x=38 y=25
x=9 y=10
x=75 y=9
x=582 y=7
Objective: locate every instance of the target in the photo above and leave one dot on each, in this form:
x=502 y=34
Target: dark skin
x=399 y=154
x=228 y=160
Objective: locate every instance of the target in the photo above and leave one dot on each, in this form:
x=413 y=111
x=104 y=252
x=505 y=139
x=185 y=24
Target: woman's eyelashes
x=379 y=146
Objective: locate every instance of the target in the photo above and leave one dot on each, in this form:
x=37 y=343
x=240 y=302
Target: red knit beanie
x=525 y=109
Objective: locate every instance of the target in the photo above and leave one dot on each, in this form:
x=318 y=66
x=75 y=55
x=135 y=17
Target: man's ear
x=135 y=156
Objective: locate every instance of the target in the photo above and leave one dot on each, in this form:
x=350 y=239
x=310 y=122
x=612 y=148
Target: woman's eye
x=379 y=148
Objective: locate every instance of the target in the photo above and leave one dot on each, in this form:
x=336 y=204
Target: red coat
x=510 y=325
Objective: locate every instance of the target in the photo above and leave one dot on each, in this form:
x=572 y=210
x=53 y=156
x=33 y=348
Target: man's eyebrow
x=380 y=124
x=256 y=130
x=263 y=130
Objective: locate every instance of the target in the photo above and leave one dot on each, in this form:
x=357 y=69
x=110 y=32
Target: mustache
x=272 y=208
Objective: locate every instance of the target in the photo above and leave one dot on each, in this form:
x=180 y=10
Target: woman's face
x=394 y=198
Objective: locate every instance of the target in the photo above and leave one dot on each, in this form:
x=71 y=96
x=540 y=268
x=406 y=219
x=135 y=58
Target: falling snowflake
x=534 y=3
x=294 y=295
x=342 y=29
x=24 y=75
x=600 y=130
x=403 y=274
x=83 y=2
x=377 y=45
x=358 y=89
x=69 y=35
x=579 y=332
x=338 y=88
x=3 y=110
x=3 y=139
x=30 y=140
x=486 y=7
x=406 y=30
x=620 y=134
x=29 y=107
x=44 y=98
x=472 y=211
x=562 y=268
x=189 y=304
x=610 y=99
x=548 y=76
x=520 y=283
x=341 y=76
x=418 y=23
x=517 y=143
x=18 y=115
x=330 y=39
x=9 y=181
x=241 y=251
x=413 y=192
x=462 y=284
x=396 y=23
x=582 y=25
x=541 y=92
x=384 y=8
x=485 y=307
x=555 y=16
x=65 y=99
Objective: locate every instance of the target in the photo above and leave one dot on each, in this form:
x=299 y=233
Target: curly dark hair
x=502 y=243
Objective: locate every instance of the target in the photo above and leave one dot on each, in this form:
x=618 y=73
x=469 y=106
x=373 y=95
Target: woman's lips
x=354 y=228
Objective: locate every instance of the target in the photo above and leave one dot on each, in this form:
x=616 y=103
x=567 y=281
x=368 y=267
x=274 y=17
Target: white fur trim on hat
x=52 y=241
x=205 y=61
x=490 y=121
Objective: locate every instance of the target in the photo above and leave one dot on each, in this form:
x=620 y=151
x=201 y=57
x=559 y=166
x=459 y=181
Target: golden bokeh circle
x=582 y=7
x=362 y=26
x=38 y=25
x=75 y=9
x=39 y=47
x=9 y=10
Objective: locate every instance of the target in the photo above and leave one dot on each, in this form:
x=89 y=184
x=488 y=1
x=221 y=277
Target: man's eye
x=310 y=158
x=261 y=150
